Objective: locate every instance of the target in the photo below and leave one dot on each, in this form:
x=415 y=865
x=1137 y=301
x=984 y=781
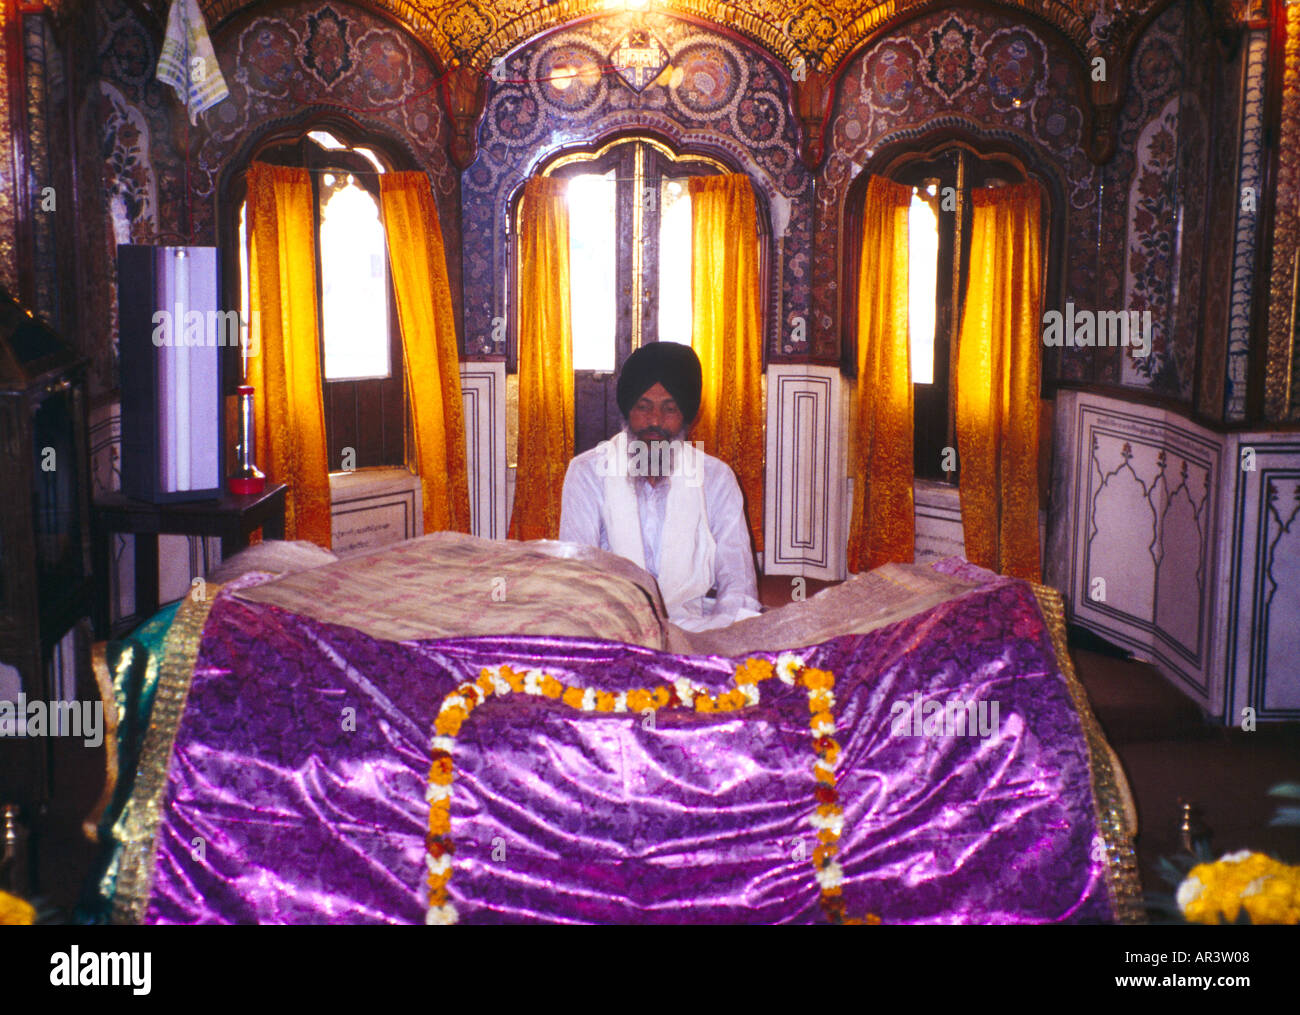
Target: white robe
x=689 y=531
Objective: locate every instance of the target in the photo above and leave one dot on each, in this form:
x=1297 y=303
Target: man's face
x=656 y=417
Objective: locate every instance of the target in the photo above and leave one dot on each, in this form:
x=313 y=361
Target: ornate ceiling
x=819 y=32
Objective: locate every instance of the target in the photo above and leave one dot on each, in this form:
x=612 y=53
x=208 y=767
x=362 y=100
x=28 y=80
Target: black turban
x=671 y=364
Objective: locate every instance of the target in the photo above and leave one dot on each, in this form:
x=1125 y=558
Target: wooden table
x=232 y=517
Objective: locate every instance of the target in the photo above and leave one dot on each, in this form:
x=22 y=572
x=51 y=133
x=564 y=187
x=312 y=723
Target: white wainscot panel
x=1263 y=654
x=374 y=507
x=1183 y=545
x=483 y=390
x=804 y=530
x=1146 y=519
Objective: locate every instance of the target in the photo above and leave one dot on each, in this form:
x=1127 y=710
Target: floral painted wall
x=311 y=57
x=996 y=77
x=988 y=71
x=730 y=100
x=980 y=71
x=138 y=184
x=1155 y=195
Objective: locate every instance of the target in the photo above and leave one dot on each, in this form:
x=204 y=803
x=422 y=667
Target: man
x=654 y=498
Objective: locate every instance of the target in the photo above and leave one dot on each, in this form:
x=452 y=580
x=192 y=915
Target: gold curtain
x=726 y=333
x=286 y=368
x=883 y=527
x=545 y=361
x=997 y=382
x=429 y=347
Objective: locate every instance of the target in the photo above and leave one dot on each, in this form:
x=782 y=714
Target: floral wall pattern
x=333 y=57
x=731 y=101
x=994 y=77
x=134 y=136
x=992 y=72
x=977 y=70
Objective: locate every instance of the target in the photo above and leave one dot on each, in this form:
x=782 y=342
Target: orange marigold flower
x=823 y=775
x=438 y=896
x=439 y=822
x=484 y=682
x=448 y=723
x=515 y=680
x=753 y=671
x=639 y=700
x=827 y=836
x=441 y=770
x=572 y=697
x=551 y=687
x=605 y=701
x=823 y=854
x=704 y=703
x=872 y=919
x=436 y=881
x=662 y=696
x=822 y=680
x=823 y=717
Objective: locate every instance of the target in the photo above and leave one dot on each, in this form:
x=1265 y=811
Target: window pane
x=354 y=281
x=674 y=262
x=923 y=265
x=592 y=264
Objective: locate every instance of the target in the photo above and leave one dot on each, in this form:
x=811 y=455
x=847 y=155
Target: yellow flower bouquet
x=14 y=912
x=1266 y=889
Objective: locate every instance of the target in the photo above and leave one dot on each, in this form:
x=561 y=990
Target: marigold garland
x=828 y=818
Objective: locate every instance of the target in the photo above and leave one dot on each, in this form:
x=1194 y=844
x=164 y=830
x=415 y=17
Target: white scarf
x=686 y=547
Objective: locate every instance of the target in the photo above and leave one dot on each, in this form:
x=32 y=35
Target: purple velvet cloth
x=582 y=817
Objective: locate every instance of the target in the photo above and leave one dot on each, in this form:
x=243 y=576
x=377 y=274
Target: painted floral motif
x=891 y=74
x=1152 y=207
x=951 y=60
x=326 y=52
x=130 y=180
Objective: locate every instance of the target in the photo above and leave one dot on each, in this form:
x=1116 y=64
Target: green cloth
x=135 y=663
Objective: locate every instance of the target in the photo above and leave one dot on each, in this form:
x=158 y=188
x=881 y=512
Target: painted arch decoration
x=818 y=33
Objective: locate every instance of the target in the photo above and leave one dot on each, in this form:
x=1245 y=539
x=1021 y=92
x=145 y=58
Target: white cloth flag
x=187 y=61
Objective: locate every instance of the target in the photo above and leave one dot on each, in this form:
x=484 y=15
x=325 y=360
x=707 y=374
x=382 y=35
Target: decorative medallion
x=709 y=77
x=951 y=64
x=639 y=58
x=327 y=55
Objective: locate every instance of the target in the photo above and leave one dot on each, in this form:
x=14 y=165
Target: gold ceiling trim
x=475 y=32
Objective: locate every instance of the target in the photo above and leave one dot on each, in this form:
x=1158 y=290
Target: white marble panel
x=483 y=390
x=804 y=531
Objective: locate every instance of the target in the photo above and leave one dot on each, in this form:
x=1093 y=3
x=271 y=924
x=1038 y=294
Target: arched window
x=630 y=264
x=361 y=348
x=939 y=246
